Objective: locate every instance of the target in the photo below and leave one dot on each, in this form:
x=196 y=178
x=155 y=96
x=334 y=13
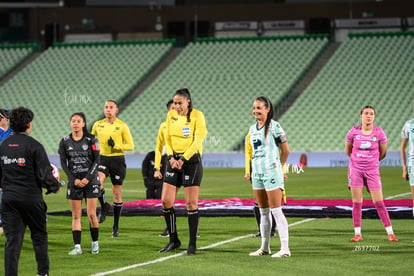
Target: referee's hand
x=157 y=175
x=111 y=142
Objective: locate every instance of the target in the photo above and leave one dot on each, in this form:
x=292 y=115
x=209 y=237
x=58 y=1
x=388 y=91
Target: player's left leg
x=275 y=201
x=191 y=198
x=377 y=199
x=374 y=186
x=93 y=223
x=117 y=196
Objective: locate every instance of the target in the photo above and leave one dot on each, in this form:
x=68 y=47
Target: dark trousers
x=153 y=189
x=16 y=216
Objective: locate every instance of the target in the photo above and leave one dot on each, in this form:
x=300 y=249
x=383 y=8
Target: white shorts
x=268 y=181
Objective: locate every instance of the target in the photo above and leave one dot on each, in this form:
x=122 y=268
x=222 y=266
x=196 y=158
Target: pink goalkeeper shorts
x=358 y=179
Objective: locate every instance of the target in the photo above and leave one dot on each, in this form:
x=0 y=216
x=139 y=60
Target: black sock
x=94 y=233
x=101 y=199
x=257 y=214
x=170 y=220
x=117 y=213
x=193 y=220
x=76 y=234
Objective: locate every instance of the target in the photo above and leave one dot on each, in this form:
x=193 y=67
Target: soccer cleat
x=104 y=211
x=115 y=232
x=75 y=251
x=171 y=246
x=164 y=234
x=260 y=252
x=95 y=248
x=257 y=235
x=191 y=250
x=357 y=238
x=392 y=238
x=282 y=254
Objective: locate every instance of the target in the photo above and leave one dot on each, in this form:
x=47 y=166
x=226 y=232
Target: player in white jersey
x=267 y=138
x=407 y=138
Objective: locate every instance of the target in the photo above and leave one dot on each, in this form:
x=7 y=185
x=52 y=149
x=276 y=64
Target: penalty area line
x=159 y=260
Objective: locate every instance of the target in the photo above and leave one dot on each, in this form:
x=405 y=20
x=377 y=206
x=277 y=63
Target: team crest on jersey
x=84 y=146
x=257 y=143
x=186 y=131
x=374 y=138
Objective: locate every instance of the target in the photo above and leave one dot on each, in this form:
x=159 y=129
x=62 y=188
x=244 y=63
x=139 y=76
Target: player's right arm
x=64 y=161
x=348 y=143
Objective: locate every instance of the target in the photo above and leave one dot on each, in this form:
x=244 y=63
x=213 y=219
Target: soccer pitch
x=319 y=246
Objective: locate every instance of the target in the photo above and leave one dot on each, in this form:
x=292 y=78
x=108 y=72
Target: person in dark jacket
x=24 y=170
x=153 y=185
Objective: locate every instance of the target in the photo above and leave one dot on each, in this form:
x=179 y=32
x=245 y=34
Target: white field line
x=400 y=195
x=184 y=252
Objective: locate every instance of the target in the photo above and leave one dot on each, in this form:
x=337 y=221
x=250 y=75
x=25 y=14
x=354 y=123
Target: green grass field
x=319 y=246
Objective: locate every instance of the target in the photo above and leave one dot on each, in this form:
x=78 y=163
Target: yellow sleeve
x=247 y=154
x=93 y=131
x=159 y=145
x=200 y=132
x=168 y=147
x=127 y=141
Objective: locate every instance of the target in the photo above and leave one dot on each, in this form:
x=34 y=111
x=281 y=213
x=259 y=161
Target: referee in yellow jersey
x=186 y=130
x=114 y=139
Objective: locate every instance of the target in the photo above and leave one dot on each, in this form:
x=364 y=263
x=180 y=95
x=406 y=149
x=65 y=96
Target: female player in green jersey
x=269 y=152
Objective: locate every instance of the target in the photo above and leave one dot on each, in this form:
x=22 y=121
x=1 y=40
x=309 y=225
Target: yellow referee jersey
x=248 y=151
x=119 y=132
x=185 y=137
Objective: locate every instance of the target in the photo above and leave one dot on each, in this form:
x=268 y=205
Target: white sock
x=413 y=211
x=389 y=230
x=282 y=227
x=357 y=230
x=265 y=227
x=77 y=246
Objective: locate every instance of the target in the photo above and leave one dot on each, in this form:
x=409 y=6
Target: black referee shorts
x=190 y=174
x=114 y=166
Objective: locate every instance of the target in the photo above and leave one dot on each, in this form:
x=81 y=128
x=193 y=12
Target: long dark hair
x=269 y=117
x=80 y=114
x=183 y=92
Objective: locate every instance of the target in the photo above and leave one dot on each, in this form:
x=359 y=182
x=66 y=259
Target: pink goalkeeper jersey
x=365 y=148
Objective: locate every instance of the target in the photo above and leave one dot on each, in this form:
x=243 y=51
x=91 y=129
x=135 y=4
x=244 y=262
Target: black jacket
x=148 y=166
x=25 y=168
